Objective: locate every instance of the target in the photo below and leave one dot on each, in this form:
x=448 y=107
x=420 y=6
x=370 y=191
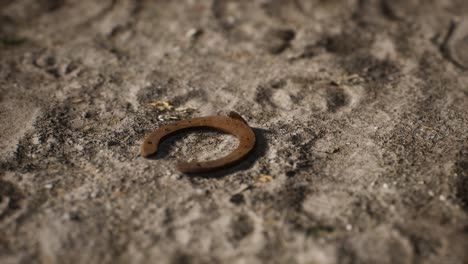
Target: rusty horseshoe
x=233 y=124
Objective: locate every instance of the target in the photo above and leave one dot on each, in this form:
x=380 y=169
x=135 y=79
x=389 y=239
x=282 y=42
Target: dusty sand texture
x=360 y=109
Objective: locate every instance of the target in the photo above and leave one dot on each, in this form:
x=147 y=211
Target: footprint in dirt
x=336 y=99
x=58 y=69
x=311 y=94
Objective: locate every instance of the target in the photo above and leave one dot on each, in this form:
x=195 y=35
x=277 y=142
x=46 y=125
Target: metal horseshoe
x=233 y=124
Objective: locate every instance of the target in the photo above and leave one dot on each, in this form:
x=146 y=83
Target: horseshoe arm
x=233 y=124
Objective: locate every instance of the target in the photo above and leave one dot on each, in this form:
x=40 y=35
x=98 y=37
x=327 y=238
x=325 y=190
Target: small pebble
x=194 y=33
x=86 y=114
x=93 y=195
x=76 y=100
x=35 y=140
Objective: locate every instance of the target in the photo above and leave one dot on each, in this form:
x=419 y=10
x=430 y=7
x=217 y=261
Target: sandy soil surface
x=360 y=109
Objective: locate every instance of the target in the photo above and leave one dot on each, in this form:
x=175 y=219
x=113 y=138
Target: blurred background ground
x=360 y=110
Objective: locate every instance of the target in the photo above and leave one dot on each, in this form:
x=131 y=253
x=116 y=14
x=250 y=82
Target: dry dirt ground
x=359 y=106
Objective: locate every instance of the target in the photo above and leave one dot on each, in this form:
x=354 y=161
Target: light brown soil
x=360 y=109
